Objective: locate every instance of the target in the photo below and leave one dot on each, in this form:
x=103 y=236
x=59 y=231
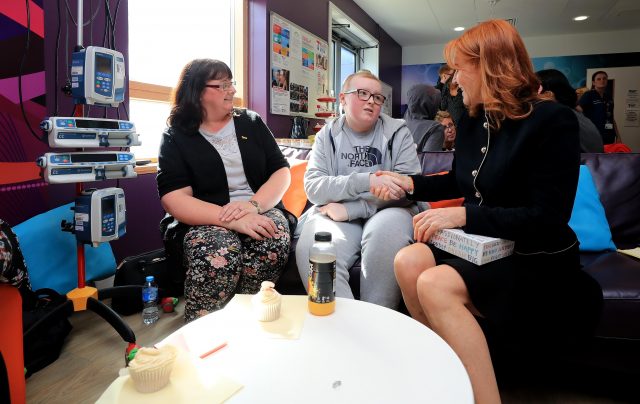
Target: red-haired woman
x=516 y=164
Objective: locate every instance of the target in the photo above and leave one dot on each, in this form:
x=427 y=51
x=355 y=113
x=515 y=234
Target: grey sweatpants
x=376 y=240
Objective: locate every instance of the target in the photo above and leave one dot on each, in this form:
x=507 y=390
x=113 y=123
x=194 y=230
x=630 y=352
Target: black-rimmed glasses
x=449 y=126
x=222 y=86
x=364 y=95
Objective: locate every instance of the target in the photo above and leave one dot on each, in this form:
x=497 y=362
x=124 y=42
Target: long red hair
x=509 y=85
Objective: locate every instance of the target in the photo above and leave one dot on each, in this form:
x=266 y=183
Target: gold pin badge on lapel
x=244 y=137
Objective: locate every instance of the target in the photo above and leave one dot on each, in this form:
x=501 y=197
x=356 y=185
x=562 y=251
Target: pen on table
x=214 y=350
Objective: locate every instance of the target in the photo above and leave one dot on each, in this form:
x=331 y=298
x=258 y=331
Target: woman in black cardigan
x=516 y=165
x=221 y=178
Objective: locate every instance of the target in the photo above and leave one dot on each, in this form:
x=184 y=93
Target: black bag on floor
x=44 y=312
x=133 y=271
x=44 y=331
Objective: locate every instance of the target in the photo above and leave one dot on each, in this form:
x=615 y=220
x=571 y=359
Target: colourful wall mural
x=574 y=67
x=22 y=107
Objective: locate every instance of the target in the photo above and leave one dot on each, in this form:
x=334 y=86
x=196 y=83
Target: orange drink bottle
x=322 y=275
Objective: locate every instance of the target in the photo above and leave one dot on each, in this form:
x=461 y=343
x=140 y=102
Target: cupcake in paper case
x=266 y=303
x=151 y=368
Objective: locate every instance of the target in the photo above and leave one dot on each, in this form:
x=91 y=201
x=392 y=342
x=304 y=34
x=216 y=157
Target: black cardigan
x=188 y=159
x=525 y=188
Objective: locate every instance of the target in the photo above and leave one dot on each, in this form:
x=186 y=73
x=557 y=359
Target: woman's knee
x=210 y=237
x=441 y=288
x=414 y=258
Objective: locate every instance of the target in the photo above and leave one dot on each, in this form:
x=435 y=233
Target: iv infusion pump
x=100 y=215
x=89 y=132
x=97 y=76
x=62 y=168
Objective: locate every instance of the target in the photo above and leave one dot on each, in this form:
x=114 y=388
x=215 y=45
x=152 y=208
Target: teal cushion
x=588 y=219
x=51 y=254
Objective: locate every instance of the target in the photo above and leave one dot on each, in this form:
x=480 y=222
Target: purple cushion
x=435 y=162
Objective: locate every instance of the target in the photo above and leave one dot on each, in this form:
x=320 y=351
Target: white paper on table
x=189 y=383
x=243 y=322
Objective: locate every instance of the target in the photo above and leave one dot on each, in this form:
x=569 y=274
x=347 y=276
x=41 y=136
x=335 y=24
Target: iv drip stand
x=86 y=297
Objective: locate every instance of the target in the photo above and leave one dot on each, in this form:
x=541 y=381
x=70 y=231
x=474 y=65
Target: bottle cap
x=149 y=278
x=323 y=236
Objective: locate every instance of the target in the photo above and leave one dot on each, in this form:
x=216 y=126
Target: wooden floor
x=94 y=353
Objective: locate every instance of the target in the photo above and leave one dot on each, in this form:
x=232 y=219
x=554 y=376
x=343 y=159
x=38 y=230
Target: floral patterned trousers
x=13 y=269
x=222 y=262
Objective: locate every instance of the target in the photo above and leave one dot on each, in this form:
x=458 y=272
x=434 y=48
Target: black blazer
x=519 y=183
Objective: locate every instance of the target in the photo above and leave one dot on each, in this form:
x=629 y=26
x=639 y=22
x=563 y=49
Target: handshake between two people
x=387 y=185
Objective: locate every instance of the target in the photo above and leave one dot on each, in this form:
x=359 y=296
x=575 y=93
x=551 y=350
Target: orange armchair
x=11 y=342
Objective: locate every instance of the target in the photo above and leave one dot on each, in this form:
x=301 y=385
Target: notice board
x=299 y=69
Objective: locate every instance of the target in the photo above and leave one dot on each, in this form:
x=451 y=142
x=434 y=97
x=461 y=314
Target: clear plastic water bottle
x=150 y=301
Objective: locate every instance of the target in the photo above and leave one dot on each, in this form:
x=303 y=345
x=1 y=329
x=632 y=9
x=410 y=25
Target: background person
x=516 y=164
x=345 y=154
x=221 y=177
x=452 y=100
x=444 y=118
x=422 y=106
x=556 y=83
x=444 y=74
x=597 y=105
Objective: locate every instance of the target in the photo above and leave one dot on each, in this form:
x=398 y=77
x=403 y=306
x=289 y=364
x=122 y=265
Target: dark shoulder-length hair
x=187 y=112
x=509 y=87
x=553 y=80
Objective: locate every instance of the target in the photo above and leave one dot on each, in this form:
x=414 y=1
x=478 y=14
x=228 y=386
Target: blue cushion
x=51 y=255
x=588 y=219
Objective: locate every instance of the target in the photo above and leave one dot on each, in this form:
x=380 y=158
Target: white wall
x=553 y=45
x=625 y=79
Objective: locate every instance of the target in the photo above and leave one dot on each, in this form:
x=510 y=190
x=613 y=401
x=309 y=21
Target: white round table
x=362 y=353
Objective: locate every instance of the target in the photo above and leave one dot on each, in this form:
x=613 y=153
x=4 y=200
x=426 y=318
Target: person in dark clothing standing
x=597 y=105
x=558 y=86
x=452 y=100
x=444 y=74
x=221 y=178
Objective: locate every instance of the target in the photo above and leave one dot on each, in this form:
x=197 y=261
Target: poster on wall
x=632 y=108
x=299 y=69
x=387 y=91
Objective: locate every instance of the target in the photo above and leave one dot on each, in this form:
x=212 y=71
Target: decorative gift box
x=472 y=247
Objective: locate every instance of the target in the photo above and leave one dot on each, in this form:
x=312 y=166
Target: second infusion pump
x=97 y=76
x=100 y=215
